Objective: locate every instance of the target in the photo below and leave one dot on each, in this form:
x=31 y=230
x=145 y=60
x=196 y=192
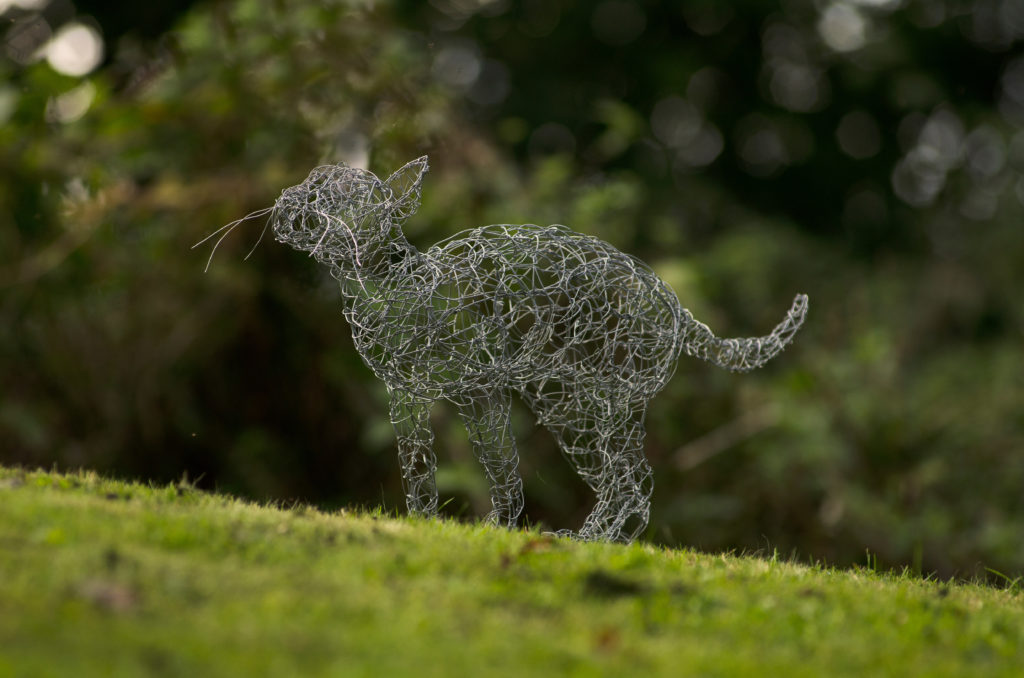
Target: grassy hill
x=106 y=578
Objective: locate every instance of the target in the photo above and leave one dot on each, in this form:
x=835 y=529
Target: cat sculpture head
x=340 y=212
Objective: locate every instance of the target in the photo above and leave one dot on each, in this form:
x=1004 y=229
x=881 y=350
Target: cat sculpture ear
x=405 y=187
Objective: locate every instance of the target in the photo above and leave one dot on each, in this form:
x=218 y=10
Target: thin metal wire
x=584 y=333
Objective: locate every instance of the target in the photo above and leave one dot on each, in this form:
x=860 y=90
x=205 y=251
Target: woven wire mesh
x=585 y=334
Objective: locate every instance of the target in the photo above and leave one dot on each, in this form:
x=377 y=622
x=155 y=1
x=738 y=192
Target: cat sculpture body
x=585 y=334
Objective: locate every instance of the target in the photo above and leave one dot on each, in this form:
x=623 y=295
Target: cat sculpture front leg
x=411 y=418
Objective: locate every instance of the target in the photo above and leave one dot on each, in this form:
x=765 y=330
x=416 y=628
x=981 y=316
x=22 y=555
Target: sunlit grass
x=100 y=577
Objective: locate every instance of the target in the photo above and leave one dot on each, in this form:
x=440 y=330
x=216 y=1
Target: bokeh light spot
x=675 y=121
x=704 y=148
x=762 y=152
x=8 y=102
x=76 y=49
x=943 y=134
x=1011 y=99
x=458 y=64
x=985 y=150
x=979 y=204
x=879 y=4
x=843 y=27
x=71 y=105
x=796 y=87
x=995 y=24
x=704 y=88
x=492 y=85
x=23 y=4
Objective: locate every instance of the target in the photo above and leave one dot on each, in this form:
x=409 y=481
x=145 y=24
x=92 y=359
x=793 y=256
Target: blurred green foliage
x=869 y=153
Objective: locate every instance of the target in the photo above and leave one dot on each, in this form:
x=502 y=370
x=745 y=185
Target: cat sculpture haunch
x=585 y=334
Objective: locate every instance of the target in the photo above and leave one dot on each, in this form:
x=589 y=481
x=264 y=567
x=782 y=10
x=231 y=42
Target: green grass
x=106 y=578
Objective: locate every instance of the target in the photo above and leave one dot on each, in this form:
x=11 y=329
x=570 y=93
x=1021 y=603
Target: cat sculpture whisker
x=226 y=230
x=585 y=334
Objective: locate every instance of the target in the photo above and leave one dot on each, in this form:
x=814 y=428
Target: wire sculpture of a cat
x=585 y=334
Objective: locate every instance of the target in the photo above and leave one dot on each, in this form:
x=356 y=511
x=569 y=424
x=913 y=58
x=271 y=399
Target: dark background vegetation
x=867 y=152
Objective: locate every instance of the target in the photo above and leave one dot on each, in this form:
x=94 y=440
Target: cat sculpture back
x=585 y=334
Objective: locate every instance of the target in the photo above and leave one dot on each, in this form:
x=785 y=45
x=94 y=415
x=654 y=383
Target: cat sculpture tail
x=741 y=355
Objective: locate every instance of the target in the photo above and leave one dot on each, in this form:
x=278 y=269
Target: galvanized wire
x=585 y=334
